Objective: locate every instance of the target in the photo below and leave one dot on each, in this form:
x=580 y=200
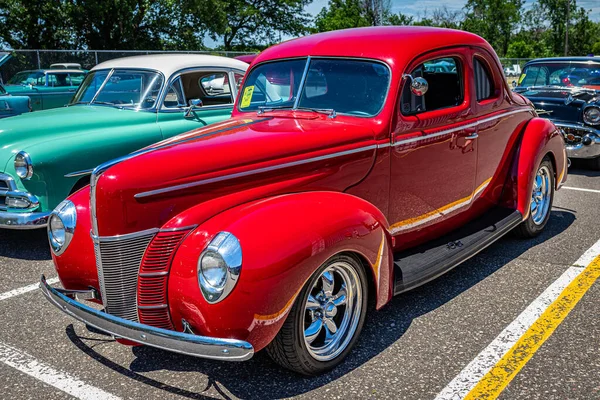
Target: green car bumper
x=19 y=218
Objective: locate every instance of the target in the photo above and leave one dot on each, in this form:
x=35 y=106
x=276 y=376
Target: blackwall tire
x=325 y=320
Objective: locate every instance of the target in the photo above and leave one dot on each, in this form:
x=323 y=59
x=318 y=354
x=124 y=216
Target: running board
x=419 y=265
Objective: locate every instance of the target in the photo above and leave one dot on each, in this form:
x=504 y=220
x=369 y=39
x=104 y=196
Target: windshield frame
x=303 y=81
x=111 y=71
x=2 y=90
x=573 y=63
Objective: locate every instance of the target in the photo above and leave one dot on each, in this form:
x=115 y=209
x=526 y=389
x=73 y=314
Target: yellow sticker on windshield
x=521 y=79
x=247 y=97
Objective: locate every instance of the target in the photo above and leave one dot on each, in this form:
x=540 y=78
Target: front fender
x=540 y=138
x=284 y=240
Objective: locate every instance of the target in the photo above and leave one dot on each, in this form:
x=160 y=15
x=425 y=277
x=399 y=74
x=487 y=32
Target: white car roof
x=171 y=63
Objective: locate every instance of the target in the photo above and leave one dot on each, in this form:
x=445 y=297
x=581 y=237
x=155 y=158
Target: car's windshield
x=120 y=87
x=28 y=78
x=344 y=86
x=563 y=74
x=2 y=91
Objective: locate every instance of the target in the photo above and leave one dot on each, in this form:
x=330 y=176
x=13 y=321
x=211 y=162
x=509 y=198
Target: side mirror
x=514 y=84
x=194 y=104
x=418 y=86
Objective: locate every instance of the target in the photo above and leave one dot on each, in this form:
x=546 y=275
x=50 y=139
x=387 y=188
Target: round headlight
x=591 y=115
x=219 y=267
x=23 y=166
x=61 y=226
x=214 y=269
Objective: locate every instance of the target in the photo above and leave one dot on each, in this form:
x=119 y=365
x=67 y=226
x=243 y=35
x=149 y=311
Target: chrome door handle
x=472 y=136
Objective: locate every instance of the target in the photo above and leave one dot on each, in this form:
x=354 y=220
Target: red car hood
x=240 y=154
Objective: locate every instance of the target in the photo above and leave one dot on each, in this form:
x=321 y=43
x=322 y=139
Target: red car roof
x=394 y=44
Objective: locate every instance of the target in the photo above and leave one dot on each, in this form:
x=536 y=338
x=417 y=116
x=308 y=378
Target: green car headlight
x=61 y=226
x=23 y=166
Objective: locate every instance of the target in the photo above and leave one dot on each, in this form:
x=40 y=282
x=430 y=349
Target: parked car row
x=339 y=170
x=566 y=90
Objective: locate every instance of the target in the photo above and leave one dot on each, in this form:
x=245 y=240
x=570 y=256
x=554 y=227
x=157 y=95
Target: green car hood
x=54 y=127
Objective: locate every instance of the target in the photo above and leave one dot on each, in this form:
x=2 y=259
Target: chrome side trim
x=252 y=172
x=79 y=173
x=155 y=307
x=153 y=274
x=104 y=239
x=178 y=342
x=460 y=128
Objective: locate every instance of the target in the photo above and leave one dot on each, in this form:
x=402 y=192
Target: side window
x=484 y=83
x=211 y=87
x=76 y=79
x=58 y=80
x=174 y=97
x=238 y=80
x=446 y=87
x=536 y=76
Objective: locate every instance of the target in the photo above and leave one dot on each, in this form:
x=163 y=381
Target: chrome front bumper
x=588 y=145
x=178 y=342
x=18 y=220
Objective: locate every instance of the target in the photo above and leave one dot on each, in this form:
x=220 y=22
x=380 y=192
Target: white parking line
x=477 y=369
x=581 y=189
x=67 y=383
x=25 y=289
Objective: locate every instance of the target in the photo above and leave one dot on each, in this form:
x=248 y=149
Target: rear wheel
x=326 y=319
x=542 y=196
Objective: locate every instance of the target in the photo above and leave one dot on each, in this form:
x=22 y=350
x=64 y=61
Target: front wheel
x=326 y=319
x=542 y=196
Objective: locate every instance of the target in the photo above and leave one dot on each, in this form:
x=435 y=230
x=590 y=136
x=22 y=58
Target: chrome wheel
x=541 y=195
x=332 y=311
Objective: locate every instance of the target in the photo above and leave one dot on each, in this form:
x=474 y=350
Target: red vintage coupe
x=358 y=164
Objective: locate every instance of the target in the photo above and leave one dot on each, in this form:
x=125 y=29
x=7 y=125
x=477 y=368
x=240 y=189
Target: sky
x=418 y=7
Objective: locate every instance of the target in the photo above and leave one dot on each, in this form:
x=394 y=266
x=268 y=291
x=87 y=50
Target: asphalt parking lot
x=412 y=349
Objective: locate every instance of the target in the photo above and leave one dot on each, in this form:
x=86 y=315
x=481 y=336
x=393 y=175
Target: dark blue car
x=566 y=90
x=13 y=105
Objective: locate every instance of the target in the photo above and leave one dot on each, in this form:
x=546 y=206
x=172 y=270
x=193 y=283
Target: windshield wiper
x=327 y=111
x=264 y=109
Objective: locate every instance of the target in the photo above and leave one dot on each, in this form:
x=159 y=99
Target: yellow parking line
x=494 y=382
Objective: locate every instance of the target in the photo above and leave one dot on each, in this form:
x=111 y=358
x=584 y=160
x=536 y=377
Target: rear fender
x=540 y=138
x=284 y=240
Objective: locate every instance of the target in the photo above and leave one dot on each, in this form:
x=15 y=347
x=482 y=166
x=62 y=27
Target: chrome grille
x=7 y=184
x=118 y=260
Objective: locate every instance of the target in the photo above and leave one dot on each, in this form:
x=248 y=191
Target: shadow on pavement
x=581 y=167
x=262 y=378
x=24 y=245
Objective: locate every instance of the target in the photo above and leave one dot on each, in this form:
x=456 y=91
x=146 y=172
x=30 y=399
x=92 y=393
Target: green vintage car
x=47 y=88
x=122 y=105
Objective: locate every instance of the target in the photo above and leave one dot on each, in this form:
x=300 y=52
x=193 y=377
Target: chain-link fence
x=22 y=60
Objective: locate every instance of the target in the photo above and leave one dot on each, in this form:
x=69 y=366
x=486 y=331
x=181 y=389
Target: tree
x=239 y=23
x=400 y=19
x=494 y=20
x=341 y=14
x=34 y=24
x=119 y=24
